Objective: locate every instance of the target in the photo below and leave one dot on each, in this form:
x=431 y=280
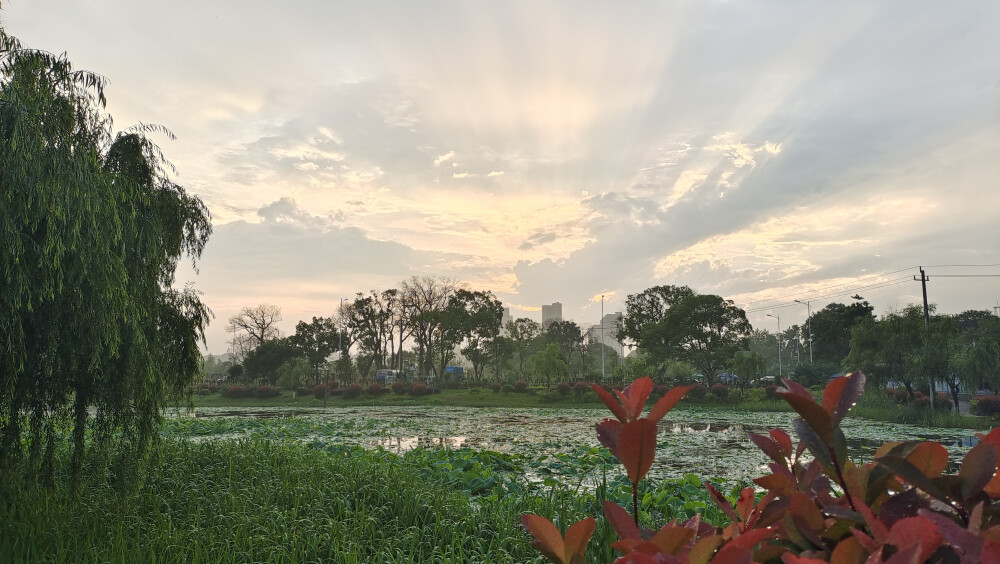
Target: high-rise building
x=609 y=324
x=551 y=313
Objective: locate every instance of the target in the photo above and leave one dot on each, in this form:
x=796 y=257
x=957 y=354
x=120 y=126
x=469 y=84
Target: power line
x=855 y=281
x=854 y=290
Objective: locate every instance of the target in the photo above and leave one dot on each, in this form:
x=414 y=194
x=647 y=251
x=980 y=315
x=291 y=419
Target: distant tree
x=262 y=363
x=568 y=336
x=648 y=307
x=293 y=373
x=235 y=372
x=749 y=367
x=317 y=341
x=523 y=333
x=548 y=363
x=483 y=315
x=888 y=350
x=423 y=299
x=702 y=329
x=259 y=323
x=831 y=329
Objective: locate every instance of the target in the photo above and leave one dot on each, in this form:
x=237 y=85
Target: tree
x=702 y=329
x=648 y=307
x=317 y=341
x=422 y=297
x=92 y=230
x=888 y=350
x=263 y=362
x=481 y=322
x=522 y=332
x=293 y=373
x=259 y=323
x=549 y=363
x=831 y=329
x=567 y=335
x=749 y=366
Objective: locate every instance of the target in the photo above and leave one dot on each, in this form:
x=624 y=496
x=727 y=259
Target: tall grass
x=875 y=404
x=260 y=501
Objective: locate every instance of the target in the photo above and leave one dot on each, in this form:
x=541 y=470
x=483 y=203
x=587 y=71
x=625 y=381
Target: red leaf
x=635 y=396
x=577 y=537
x=721 y=501
x=637 y=448
x=608 y=432
x=671 y=539
x=750 y=539
x=796 y=388
x=918 y=531
x=930 y=458
x=621 y=521
x=848 y=551
x=815 y=416
x=770 y=448
x=745 y=504
x=978 y=468
x=612 y=403
x=991 y=437
x=666 y=403
x=840 y=395
x=550 y=542
x=783 y=439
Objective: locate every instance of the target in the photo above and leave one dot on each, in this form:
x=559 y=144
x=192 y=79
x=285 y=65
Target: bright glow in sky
x=556 y=151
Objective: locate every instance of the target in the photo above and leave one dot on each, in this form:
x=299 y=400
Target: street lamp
x=603 y=378
x=809 y=322
x=778 y=317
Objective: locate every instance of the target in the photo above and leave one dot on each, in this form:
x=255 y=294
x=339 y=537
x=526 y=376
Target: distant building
x=609 y=323
x=551 y=313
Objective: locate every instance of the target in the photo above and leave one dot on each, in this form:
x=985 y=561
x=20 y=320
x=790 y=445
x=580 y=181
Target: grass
x=261 y=501
x=878 y=406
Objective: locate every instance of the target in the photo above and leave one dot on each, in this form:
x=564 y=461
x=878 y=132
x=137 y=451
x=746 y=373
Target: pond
x=711 y=443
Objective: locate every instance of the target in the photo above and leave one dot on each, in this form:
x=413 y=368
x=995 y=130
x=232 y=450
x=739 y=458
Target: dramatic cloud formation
x=559 y=151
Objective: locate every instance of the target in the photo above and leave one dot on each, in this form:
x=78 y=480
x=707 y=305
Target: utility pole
x=809 y=321
x=778 y=317
x=927 y=319
x=602 y=339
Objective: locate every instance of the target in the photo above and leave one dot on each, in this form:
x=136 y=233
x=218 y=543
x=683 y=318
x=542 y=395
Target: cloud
x=443 y=158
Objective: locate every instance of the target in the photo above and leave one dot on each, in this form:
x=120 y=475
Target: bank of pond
x=389 y=484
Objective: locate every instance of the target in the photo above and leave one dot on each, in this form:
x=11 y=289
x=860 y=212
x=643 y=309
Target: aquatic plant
x=899 y=507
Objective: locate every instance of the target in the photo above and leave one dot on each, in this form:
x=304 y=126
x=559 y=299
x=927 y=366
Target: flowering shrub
x=985 y=405
x=720 y=391
x=898 y=508
x=418 y=389
x=698 y=392
x=319 y=390
x=268 y=392
x=236 y=392
x=353 y=391
x=520 y=386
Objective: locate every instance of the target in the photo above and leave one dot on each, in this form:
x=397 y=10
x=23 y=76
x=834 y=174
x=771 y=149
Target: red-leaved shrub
x=268 y=392
x=398 y=388
x=563 y=388
x=985 y=405
x=236 y=392
x=580 y=388
x=497 y=387
x=319 y=390
x=698 y=392
x=771 y=392
x=520 y=386
x=418 y=389
x=720 y=391
x=353 y=391
x=375 y=389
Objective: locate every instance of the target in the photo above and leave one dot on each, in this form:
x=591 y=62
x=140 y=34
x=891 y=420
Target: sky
x=766 y=152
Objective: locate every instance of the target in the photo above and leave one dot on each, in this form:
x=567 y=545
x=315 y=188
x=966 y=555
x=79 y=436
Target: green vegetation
x=92 y=229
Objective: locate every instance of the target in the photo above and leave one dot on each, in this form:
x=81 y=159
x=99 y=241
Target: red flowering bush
x=353 y=391
x=900 y=507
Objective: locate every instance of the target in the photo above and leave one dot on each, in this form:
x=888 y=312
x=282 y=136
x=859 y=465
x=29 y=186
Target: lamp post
x=778 y=317
x=602 y=339
x=809 y=322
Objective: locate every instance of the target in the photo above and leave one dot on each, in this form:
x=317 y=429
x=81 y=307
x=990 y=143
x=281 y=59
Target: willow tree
x=93 y=331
